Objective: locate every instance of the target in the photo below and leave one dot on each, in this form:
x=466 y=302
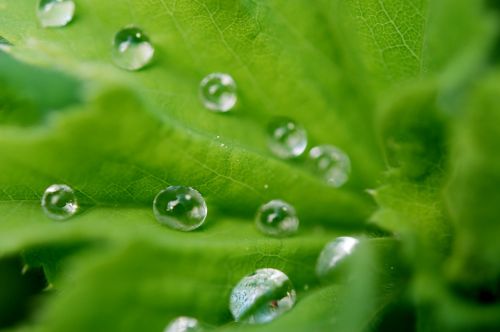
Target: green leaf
x=474 y=184
x=384 y=80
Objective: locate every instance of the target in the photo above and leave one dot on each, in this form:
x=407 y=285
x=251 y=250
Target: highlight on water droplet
x=183 y=324
x=331 y=163
x=132 y=49
x=333 y=254
x=181 y=208
x=286 y=138
x=218 y=92
x=277 y=218
x=59 y=202
x=55 y=13
x=262 y=296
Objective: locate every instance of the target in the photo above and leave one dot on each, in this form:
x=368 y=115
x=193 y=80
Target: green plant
x=410 y=89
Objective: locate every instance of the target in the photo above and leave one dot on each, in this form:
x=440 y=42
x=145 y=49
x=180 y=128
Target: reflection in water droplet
x=262 y=296
x=179 y=207
x=331 y=163
x=277 y=218
x=55 y=13
x=218 y=92
x=287 y=139
x=59 y=202
x=333 y=254
x=132 y=49
x=183 y=324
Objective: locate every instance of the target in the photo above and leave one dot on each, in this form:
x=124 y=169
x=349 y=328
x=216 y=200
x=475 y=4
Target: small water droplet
x=132 y=49
x=59 y=202
x=181 y=208
x=287 y=139
x=218 y=92
x=262 y=296
x=55 y=13
x=183 y=324
x=277 y=218
x=333 y=254
x=331 y=163
x=266 y=186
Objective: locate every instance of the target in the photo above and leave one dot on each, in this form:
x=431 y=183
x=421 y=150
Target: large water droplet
x=180 y=207
x=333 y=254
x=277 y=218
x=262 y=296
x=59 y=202
x=183 y=324
x=55 y=13
x=331 y=163
x=287 y=139
x=218 y=92
x=132 y=49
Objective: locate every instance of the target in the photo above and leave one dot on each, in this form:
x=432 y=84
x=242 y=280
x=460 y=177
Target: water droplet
x=59 y=202
x=333 y=254
x=218 y=92
x=287 y=139
x=132 y=49
x=266 y=186
x=55 y=13
x=183 y=324
x=180 y=207
x=262 y=296
x=277 y=218
x=332 y=164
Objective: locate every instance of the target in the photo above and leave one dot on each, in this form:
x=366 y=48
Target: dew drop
x=277 y=218
x=183 y=324
x=218 y=92
x=55 y=13
x=333 y=164
x=287 y=139
x=59 y=202
x=132 y=49
x=262 y=296
x=181 y=208
x=333 y=254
